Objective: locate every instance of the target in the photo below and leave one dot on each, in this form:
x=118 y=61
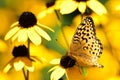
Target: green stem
x=57 y=14
x=27 y=77
x=62 y=31
x=28 y=47
x=24 y=74
x=65 y=37
x=81 y=17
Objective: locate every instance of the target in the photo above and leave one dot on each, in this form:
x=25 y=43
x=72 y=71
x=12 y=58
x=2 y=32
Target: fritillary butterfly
x=85 y=48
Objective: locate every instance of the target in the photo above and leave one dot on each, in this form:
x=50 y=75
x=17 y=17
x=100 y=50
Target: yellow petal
x=45 y=12
x=41 y=59
x=22 y=37
x=30 y=68
x=15 y=36
x=34 y=37
x=57 y=4
x=11 y=33
x=68 y=7
x=55 y=67
x=7 y=68
x=57 y=73
x=55 y=61
x=26 y=61
x=82 y=7
x=50 y=10
x=41 y=25
x=18 y=65
x=42 y=33
x=15 y=24
x=42 y=14
x=97 y=7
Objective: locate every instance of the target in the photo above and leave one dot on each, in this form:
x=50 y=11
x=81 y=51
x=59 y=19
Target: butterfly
x=85 y=48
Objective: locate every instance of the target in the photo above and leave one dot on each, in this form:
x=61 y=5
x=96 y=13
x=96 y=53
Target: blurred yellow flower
x=27 y=27
x=21 y=59
x=50 y=6
x=114 y=7
x=68 y=6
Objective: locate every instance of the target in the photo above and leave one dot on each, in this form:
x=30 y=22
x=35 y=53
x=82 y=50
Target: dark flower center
x=67 y=62
x=50 y=3
x=27 y=19
x=81 y=0
x=60 y=79
x=20 y=51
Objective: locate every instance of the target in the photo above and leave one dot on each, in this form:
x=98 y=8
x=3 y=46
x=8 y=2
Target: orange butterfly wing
x=86 y=48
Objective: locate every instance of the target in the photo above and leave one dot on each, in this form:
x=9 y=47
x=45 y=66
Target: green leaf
x=84 y=71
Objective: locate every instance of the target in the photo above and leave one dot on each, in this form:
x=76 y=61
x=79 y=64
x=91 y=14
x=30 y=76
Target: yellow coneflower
x=68 y=6
x=20 y=60
x=65 y=66
x=27 y=27
x=50 y=7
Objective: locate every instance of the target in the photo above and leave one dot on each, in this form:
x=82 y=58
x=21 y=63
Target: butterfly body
x=86 y=48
